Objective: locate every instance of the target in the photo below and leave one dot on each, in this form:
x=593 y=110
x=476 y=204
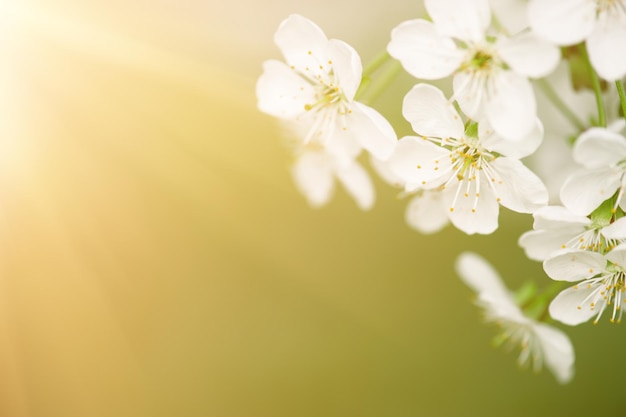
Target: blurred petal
x=529 y=55
x=465 y=20
x=557 y=350
x=426 y=212
x=514 y=149
x=313 y=176
x=564 y=22
x=358 y=184
x=511 y=109
x=480 y=276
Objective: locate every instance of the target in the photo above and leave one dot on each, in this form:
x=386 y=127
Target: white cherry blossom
x=474 y=172
x=540 y=343
x=317 y=86
x=557 y=228
x=490 y=72
x=600 y=23
x=601 y=286
x=602 y=153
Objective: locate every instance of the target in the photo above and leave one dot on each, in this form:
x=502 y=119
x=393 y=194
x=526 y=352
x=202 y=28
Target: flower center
x=325 y=95
x=610 y=7
x=610 y=290
x=469 y=162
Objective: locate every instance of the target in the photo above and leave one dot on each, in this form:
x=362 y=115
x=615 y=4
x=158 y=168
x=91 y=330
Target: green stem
x=622 y=96
x=595 y=82
x=375 y=64
x=560 y=104
x=373 y=88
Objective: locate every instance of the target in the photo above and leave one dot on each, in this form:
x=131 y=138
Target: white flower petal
x=616 y=230
x=422 y=51
x=511 y=109
x=426 y=212
x=598 y=147
x=412 y=152
x=558 y=351
x=358 y=184
x=564 y=22
x=302 y=42
x=281 y=92
x=585 y=190
x=313 y=176
x=514 y=149
x=573 y=306
x=372 y=131
x=574 y=265
x=529 y=55
x=430 y=113
x=559 y=217
x=541 y=244
x=511 y=14
x=618 y=255
x=609 y=37
x=518 y=188
x=470 y=91
x=465 y=20
x=469 y=213
x=346 y=65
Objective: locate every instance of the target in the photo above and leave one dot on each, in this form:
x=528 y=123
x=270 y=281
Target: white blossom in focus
x=317 y=86
x=557 y=228
x=474 y=172
x=490 y=71
x=600 y=23
x=602 y=153
x=540 y=343
x=601 y=285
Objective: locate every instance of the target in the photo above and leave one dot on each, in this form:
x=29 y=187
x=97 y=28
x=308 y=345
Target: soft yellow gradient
x=156 y=259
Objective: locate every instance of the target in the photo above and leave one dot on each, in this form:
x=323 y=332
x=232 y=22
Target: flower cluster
x=549 y=76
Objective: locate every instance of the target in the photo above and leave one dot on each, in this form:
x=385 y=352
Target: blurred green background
x=156 y=259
